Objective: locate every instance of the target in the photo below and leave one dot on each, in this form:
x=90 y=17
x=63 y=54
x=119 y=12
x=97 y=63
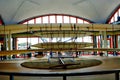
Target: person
x=59 y=54
x=77 y=54
x=115 y=53
x=101 y=53
x=48 y=56
x=51 y=54
x=2 y=47
x=29 y=48
x=29 y=54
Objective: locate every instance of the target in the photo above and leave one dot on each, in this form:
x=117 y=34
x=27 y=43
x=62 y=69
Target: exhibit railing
x=61 y=74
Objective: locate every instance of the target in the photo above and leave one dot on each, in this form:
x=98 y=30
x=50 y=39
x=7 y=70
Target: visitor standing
x=2 y=49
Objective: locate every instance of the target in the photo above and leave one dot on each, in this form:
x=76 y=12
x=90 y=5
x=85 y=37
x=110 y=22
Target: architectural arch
x=55 y=18
x=114 y=16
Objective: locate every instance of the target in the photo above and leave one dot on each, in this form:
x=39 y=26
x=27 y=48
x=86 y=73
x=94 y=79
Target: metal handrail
x=64 y=75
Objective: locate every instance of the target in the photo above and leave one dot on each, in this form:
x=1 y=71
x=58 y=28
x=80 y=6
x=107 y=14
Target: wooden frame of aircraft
x=65 y=30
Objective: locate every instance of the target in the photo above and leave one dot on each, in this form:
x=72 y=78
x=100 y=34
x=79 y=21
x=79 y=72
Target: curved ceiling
x=98 y=11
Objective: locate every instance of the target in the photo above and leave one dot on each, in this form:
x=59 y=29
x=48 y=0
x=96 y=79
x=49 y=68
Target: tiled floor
x=108 y=64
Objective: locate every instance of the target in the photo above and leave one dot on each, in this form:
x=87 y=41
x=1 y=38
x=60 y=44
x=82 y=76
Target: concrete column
x=105 y=42
x=101 y=39
x=114 y=41
x=14 y=45
x=5 y=42
x=94 y=43
x=9 y=41
x=105 y=39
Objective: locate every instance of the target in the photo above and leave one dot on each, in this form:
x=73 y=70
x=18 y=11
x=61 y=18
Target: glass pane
x=38 y=20
x=119 y=12
x=33 y=41
x=116 y=16
x=52 y=19
x=85 y=22
x=111 y=20
x=25 y=23
x=73 y=20
x=31 y=21
x=59 y=19
x=87 y=39
x=66 y=19
x=80 y=21
x=45 y=19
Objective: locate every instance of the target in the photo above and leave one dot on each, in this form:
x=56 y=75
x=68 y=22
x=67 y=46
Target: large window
x=56 y=19
x=115 y=17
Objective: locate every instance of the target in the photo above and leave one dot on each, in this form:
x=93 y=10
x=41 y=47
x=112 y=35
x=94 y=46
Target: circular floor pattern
x=56 y=63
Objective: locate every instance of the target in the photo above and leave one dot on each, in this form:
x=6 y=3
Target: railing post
x=64 y=78
x=11 y=77
x=116 y=75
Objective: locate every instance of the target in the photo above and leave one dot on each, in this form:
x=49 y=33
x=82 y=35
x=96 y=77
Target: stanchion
x=11 y=77
x=64 y=78
x=117 y=76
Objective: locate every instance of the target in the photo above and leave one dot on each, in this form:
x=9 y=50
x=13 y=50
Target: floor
x=110 y=62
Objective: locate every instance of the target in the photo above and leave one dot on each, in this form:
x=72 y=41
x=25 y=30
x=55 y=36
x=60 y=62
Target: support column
x=115 y=43
x=5 y=42
x=9 y=42
x=114 y=39
x=105 y=42
x=111 y=41
x=14 y=45
x=94 y=44
x=118 y=41
x=98 y=42
x=101 y=39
